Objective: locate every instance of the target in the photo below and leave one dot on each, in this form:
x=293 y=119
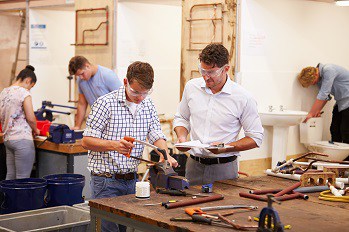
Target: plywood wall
x=11 y=24
x=197 y=33
x=102 y=55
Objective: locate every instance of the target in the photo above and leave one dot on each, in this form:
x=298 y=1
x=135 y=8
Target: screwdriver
x=161 y=203
x=201 y=219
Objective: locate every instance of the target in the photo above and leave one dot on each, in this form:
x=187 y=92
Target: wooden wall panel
x=196 y=34
x=102 y=55
x=11 y=24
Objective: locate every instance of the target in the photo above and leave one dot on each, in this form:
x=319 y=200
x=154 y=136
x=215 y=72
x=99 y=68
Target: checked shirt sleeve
x=97 y=119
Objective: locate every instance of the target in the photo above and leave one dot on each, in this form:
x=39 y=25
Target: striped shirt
x=111 y=119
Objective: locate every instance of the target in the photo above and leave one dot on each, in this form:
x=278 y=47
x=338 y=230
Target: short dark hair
x=76 y=63
x=141 y=72
x=214 y=54
x=28 y=72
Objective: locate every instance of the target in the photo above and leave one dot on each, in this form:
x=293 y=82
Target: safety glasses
x=211 y=73
x=135 y=93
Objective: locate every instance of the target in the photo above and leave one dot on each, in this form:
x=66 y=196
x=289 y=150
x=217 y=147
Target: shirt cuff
x=181 y=122
x=92 y=133
x=258 y=138
x=155 y=136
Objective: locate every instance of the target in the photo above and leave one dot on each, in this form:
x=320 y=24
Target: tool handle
x=163 y=152
x=131 y=140
x=171 y=192
x=201 y=219
x=192 y=211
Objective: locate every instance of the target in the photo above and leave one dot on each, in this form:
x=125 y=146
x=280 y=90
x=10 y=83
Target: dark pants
x=3 y=169
x=340 y=125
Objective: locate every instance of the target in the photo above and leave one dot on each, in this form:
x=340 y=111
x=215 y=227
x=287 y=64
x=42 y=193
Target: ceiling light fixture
x=342 y=3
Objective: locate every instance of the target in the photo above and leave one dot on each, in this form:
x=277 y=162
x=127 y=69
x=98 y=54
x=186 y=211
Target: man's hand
x=75 y=128
x=182 y=140
x=172 y=161
x=124 y=147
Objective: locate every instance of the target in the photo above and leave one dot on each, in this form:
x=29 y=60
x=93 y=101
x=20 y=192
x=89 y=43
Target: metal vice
x=162 y=175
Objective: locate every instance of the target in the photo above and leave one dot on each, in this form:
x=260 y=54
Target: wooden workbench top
x=302 y=215
x=67 y=148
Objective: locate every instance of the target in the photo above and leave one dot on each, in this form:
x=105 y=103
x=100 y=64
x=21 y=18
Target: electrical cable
x=327 y=196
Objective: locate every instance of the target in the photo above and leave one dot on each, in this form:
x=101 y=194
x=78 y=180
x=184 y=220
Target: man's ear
x=227 y=68
x=125 y=81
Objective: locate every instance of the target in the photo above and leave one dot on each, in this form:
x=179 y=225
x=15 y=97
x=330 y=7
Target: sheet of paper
x=198 y=144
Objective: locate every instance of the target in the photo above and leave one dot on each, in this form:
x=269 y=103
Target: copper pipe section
x=254 y=197
x=287 y=190
x=330 y=161
x=194 y=201
x=289 y=197
x=106 y=22
x=236 y=226
x=265 y=191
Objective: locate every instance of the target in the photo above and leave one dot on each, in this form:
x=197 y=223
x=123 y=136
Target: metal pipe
x=290 y=197
x=194 y=201
x=254 y=197
x=287 y=190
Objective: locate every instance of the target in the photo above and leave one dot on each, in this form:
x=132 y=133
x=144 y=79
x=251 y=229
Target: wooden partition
x=204 y=22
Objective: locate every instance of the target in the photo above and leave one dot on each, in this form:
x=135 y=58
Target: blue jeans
x=102 y=187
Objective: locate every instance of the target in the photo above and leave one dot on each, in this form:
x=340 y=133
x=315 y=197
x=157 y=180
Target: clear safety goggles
x=135 y=93
x=211 y=73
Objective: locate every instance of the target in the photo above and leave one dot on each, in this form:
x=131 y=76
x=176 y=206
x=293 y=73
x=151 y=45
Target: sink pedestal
x=280 y=137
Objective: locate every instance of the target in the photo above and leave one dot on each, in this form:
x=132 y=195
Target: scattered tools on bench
x=215 y=197
x=269 y=220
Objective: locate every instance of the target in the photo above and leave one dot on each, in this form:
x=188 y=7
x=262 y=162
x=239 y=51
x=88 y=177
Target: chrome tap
x=271 y=108
x=282 y=108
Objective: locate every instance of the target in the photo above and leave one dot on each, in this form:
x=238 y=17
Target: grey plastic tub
x=83 y=206
x=60 y=218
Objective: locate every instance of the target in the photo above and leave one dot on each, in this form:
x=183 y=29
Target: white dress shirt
x=218 y=117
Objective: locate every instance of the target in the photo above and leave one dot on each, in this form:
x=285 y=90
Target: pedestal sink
x=281 y=121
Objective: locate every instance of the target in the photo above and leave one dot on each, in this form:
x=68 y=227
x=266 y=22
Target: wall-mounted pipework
x=106 y=22
x=70 y=78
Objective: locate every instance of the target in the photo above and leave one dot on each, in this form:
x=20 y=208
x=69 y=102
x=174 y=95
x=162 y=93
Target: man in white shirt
x=213 y=110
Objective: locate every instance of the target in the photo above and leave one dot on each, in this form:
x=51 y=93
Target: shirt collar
x=227 y=87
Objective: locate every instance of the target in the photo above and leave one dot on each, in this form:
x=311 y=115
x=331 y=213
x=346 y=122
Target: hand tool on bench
x=174 y=192
x=202 y=210
x=162 y=175
x=161 y=203
x=286 y=227
x=200 y=219
x=194 y=201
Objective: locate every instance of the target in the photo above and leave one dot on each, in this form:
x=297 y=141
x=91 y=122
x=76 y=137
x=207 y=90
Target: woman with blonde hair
x=19 y=124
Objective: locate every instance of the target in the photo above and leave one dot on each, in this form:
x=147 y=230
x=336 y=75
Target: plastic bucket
x=64 y=189
x=22 y=194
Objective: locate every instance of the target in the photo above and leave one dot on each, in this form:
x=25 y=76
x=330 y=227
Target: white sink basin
x=282 y=118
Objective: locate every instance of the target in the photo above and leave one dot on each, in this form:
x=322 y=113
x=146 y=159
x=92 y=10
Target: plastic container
x=22 y=194
x=64 y=189
x=60 y=218
x=43 y=126
x=83 y=206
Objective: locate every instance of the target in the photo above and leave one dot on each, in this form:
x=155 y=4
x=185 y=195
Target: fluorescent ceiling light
x=342 y=3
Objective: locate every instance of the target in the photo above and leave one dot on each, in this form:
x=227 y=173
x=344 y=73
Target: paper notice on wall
x=38 y=36
x=255 y=43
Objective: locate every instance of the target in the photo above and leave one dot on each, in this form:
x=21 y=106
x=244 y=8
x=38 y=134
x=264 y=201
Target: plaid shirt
x=111 y=119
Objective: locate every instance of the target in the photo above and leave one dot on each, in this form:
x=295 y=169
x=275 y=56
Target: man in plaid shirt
x=124 y=112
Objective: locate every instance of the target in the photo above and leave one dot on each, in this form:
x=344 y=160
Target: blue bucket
x=22 y=194
x=64 y=189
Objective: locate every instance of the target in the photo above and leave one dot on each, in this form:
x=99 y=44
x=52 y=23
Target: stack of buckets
x=36 y=193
